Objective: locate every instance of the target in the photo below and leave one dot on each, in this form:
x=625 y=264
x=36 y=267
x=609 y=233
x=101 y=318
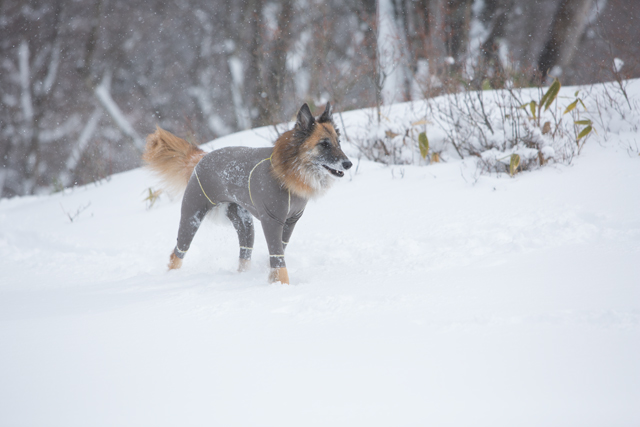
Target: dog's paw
x=174 y=262
x=244 y=265
x=279 y=275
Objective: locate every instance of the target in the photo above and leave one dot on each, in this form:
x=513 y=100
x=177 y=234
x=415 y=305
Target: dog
x=270 y=184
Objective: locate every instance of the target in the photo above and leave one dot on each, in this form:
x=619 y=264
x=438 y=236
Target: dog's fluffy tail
x=171 y=158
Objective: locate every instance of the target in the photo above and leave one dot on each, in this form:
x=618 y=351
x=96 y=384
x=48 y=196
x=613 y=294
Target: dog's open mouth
x=334 y=172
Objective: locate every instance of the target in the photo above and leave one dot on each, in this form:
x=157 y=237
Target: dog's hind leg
x=195 y=205
x=243 y=223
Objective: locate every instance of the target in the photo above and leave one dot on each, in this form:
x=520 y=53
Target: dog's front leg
x=287 y=230
x=273 y=234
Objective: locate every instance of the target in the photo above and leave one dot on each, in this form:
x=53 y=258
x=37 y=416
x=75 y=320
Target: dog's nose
x=347 y=164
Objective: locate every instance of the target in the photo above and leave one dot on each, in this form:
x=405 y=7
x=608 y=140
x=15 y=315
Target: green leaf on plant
x=584 y=122
x=551 y=94
x=532 y=106
x=514 y=162
x=570 y=107
x=423 y=143
x=547 y=93
x=585 y=132
x=583 y=106
x=545 y=96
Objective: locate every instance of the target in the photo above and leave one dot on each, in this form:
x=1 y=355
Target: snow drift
x=420 y=295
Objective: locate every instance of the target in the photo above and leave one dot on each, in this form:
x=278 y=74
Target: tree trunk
x=568 y=25
x=368 y=18
x=417 y=31
x=277 y=72
x=256 y=92
x=496 y=17
x=457 y=19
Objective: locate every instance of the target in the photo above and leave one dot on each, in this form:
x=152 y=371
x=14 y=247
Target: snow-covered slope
x=419 y=296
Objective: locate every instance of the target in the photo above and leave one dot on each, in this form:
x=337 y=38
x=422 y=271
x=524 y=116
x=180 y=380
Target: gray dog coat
x=241 y=177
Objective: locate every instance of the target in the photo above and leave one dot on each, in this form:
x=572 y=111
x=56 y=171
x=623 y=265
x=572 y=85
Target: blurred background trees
x=82 y=82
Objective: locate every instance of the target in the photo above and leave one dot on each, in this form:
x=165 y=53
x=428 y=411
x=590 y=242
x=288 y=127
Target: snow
x=418 y=297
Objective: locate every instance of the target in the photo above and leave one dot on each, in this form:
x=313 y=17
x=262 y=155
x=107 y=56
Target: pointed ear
x=305 y=118
x=326 y=116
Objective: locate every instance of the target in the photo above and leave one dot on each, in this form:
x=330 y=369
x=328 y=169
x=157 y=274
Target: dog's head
x=308 y=157
x=321 y=142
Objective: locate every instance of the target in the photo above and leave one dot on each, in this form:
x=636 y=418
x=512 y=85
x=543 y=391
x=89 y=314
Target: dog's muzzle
x=339 y=173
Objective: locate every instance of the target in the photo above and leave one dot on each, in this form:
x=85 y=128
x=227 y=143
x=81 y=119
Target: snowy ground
x=419 y=297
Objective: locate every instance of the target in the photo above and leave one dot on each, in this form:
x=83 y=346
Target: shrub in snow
x=526 y=127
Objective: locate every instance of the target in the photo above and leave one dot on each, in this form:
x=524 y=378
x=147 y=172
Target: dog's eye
x=325 y=143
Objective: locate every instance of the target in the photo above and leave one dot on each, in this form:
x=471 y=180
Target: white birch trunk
x=83 y=139
x=52 y=72
x=103 y=93
x=25 y=82
x=390 y=54
x=237 y=76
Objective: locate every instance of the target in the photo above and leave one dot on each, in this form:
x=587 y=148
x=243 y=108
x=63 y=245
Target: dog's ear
x=305 y=118
x=326 y=116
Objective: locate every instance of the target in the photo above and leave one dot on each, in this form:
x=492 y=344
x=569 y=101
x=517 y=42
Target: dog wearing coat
x=270 y=184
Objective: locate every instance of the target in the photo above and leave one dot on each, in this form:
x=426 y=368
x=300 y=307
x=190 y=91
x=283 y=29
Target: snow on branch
x=214 y=121
x=103 y=92
x=243 y=117
x=83 y=140
x=25 y=78
x=53 y=68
